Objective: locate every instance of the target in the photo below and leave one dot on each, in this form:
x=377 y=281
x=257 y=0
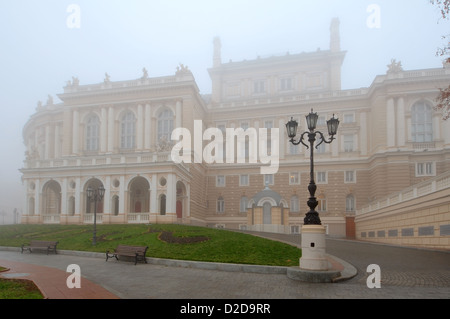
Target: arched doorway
x=139 y=195
x=51 y=194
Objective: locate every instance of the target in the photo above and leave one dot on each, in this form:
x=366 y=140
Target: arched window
x=92 y=133
x=294 y=204
x=243 y=204
x=128 y=131
x=421 y=123
x=165 y=125
x=220 y=205
x=350 y=203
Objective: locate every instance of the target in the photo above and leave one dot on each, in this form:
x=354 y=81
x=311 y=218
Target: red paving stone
x=52 y=282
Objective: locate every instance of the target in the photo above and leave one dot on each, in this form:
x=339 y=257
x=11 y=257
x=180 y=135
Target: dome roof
x=267 y=193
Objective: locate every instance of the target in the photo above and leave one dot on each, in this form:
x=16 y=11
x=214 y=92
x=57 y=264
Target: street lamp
x=312 y=217
x=95 y=195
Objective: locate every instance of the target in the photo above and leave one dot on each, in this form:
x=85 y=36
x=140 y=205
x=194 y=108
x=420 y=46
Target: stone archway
x=51 y=195
x=139 y=195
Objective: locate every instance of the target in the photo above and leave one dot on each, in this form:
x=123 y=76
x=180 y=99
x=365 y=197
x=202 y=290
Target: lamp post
x=312 y=217
x=95 y=195
x=313 y=233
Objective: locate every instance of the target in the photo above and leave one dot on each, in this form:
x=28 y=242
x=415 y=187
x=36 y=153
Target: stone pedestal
x=313 y=248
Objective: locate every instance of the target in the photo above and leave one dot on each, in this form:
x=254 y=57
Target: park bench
x=138 y=252
x=40 y=245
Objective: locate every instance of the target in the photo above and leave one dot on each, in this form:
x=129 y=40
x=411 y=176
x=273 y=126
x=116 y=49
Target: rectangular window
x=322 y=206
x=286 y=84
x=220 y=181
x=425 y=169
x=321 y=121
x=349 y=118
x=321 y=149
x=259 y=86
x=348 y=143
x=350 y=177
x=321 y=177
x=220 y=205
x=294 y=178
x=243 y=180
x=268 y=179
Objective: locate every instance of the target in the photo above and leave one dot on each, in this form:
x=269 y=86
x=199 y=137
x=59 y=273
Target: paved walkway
x=406 y=273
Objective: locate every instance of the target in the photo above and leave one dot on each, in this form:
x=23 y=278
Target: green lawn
x=19 y=289
x=222 y=245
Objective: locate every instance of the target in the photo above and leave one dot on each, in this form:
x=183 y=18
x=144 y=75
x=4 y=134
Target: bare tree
x=443 y=99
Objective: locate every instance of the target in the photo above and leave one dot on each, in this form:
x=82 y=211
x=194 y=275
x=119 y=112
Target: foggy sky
x=39 y=52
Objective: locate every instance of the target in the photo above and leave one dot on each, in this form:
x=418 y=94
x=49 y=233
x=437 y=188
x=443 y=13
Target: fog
x=43 y=45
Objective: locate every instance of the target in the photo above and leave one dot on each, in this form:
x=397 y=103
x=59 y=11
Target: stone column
x=64 y=197
x=178 y=114
x=401 y=121
x=171 y=196
x=47 y=145
x=140 y=127
x=37 y=199
x=390 y=123
x=111 y=134
x=107 y=197
x=363 y=134
x=75 y=132
x=154 y=195
x=122 y=195
x=103 y=130
x=57 y=145
x=147 y=127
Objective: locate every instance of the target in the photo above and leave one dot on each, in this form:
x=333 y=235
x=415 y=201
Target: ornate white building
x=118 y=135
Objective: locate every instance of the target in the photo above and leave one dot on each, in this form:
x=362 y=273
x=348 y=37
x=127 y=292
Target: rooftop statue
x=394 y=67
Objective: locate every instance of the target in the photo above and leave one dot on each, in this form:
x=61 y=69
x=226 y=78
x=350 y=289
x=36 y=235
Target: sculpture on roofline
x=144 y=74
x=394 y=67
x=182 y=69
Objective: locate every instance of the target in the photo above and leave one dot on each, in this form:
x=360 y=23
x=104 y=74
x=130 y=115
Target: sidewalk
x=51 y=282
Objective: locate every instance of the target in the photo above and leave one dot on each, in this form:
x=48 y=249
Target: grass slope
x=221 y=245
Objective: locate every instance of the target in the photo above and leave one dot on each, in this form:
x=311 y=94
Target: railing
x=97 y=160
x=292 y=98
x=137 y=218
x=51 y=219
x=123 y=84
x=89 y=218
x=435 y=184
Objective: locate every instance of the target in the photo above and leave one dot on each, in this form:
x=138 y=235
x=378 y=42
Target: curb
x=346 y=271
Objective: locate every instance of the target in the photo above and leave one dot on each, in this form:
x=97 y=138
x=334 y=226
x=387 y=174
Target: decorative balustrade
x=51 y=219
x=138 y=218
x=436 y=184
x=89 y=218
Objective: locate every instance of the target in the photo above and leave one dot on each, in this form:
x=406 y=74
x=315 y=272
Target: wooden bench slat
x=40 y=244
x=138 y=252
